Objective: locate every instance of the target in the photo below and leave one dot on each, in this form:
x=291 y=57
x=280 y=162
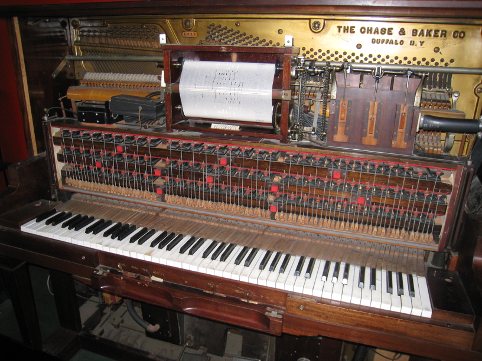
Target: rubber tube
x=143 y=323
x=440 y=124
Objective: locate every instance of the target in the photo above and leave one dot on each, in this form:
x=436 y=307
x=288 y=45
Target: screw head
x=280 y=31
x=316 y=25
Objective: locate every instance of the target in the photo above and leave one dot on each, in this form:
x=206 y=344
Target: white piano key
x=162 y=256
x=192 y=262
x=26 y=227
x=366 y=293
x=47 y=230
x=231 y=266
x=376 y=301
x=204 y=264
x=224 y=267
x=396 y=303
x=337 y=291
x=81 y=235
x=129 y=249
x=122 y=244
x=273 y=275
x=348 y=288
x=424 y=297
x=264 y=275
x=405 y=298
x=301 y=279
x=251 y=273
x=328 y=287
x=319 y=282
x=110 y=244
x=99 y=239
x=126 y=247
x=153 y=253
x=89 y=240
x=211 y=269
x=289 y=284
x=417 y=308
x=283 y=277
x=32 y=226
x=180 y=260
x=140 y=251
x=386 y=300
x=356 y=295
x=172 y=258
x=310 y=282
x=335 y=278
x=67 y=236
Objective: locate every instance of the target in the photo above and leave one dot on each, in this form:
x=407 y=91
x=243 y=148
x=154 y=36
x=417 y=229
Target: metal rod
x=153 y=58
x=63 y=63
x=401 y=68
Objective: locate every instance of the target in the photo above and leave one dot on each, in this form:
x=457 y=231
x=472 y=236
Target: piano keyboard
x=381 y=278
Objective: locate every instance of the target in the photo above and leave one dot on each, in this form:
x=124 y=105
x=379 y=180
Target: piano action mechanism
x=288 y=189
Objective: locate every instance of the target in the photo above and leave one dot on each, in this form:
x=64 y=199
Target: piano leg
x=65 y=341
x=65 y=296
x=17 y=281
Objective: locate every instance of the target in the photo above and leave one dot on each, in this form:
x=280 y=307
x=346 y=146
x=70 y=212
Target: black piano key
x=166 y=240
x=196 y=246
x=65 y=217
x=251 y=256
x=112 y=229
x=400 y=291
x=309 y=269
x=275 y=261
x=174 y=242
x=265 y=260
x=373 y=279
x=346 y=273
x=186 y=245
x=145 y=237
x=210 y=248
x=389 y=282
x=361 y=277
x=218 y=251
x=158 y=239
x=101 y=227
x=45 y=215
x=127 y=232
x=84 y=223
x=241 y=255
x=284 y=264
x=227 y=252
x=90 y=228
x=411 y=288
x=54 y=218
x=119 y=230
x=78 y=221
x=326 y=270
x=299 y=266
x=138 y=235
x=69 y=221
x=336 y=272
